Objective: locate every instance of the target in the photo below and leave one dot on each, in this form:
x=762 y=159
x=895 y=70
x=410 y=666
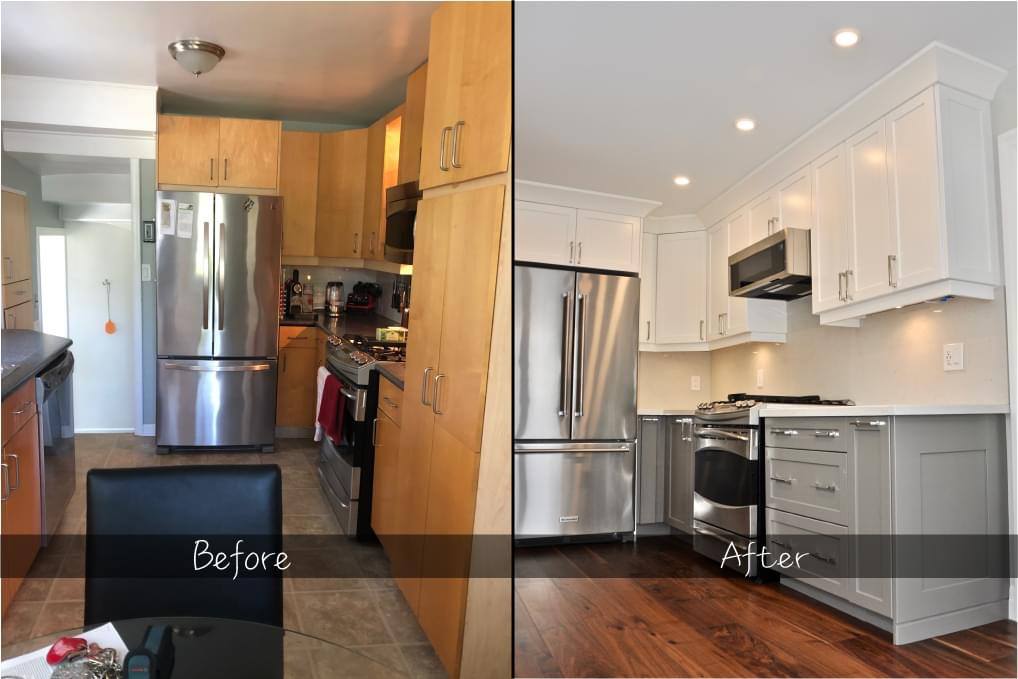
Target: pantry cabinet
x=468 y=108
x=226 y=153
x=298 y=185
x=341 y=181
x=567 y=236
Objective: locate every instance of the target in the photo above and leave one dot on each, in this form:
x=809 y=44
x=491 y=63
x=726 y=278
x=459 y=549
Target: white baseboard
x=146 y=430
x=103 y=430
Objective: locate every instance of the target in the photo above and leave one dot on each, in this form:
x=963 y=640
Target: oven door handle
x=348 y=394
x=720 y=435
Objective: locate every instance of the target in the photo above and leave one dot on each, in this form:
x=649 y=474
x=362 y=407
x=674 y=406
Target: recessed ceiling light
x=846 y=37
x=937 y=311
x=681 y=180
x=745 y=124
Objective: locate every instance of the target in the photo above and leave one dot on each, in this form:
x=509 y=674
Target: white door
x=915 y=192
x=681 y=308
x=544 y=233
x=648 y=287
x=762 y=213
x=738 y=231
x=871 y=234
x=794 y=199
x=607 y=241
x=829 y=236
x=717 y=281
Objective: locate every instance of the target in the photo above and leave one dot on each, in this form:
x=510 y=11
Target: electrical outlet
x=694 y=383
x=146 y=272
x=759 y=378
x=954 y=356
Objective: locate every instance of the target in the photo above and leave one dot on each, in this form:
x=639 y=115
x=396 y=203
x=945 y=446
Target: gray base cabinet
x=652 y=453
x=680 y=473
x=665 y=478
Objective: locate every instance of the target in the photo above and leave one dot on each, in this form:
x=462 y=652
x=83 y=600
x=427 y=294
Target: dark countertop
x=347 y=323
x=394 y=372
x=25 y=353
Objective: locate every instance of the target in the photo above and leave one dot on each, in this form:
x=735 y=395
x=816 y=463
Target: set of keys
x=75 y=658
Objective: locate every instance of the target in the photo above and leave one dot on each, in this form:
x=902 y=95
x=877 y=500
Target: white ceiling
x=45 y=164
x=621 y=97
x=331 y=62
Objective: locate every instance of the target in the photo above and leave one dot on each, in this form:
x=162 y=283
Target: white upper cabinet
x=553 y=234
x=763 y=212
x=738 y=231
x=793 y=198
x=607 y=241
x=681 y=306
x=829 y=237
x=717 y=281
x=648 y=288
x=544 y=233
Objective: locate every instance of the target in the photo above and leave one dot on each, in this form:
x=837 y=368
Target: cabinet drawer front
x=18 y=408
x=297 y=336
x=809 y=482
x=17 y=293
x=822 y=549
x=390 y=400
x=807 y=433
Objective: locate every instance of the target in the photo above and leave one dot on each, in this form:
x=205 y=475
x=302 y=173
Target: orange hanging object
x=111 y=327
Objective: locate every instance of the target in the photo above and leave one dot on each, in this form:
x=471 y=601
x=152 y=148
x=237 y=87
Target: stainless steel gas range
x=728 y=445
x=346 y=467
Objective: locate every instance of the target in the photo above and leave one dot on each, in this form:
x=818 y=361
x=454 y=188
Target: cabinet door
x=14 y=223
x=22 y=509
x=412 y=126
x=915 y=192
x=869 y=471
x=20 y=317
x=651 y=470
x=762 y=213
x=871 y=235
x=544 y=233
x=607 y=241
x=679 y=443
x=382 y=165
x=295 y=389
x=249 y=153
x=298 y=185
x=738 y=231
x=188 y=151
x=681 y=308
x=383 y=497
x=717 y=281
x=829 y=237
x=648 y=288
x=341 y=193
x=467 y=111
x=794 y=199
x=473 y=231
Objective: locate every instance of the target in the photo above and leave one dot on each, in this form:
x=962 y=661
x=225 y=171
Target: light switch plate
x=694 y=383
x=759 y=378
x=954 y=356
x=146 y=272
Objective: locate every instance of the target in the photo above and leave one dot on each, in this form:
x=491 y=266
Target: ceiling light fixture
x=196 y=56
x=682 y=180
x=846 y=37
x=745 y=124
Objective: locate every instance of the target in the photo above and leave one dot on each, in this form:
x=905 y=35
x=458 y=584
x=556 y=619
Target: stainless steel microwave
x=776 y=267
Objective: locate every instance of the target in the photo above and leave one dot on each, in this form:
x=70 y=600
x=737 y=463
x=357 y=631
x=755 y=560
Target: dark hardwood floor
x=606 y=610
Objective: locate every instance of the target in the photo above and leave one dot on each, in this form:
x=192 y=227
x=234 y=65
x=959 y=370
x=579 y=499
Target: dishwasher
x=55 y=396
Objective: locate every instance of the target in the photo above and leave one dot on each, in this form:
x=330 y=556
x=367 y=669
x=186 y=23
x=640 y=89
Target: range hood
x=776 y=267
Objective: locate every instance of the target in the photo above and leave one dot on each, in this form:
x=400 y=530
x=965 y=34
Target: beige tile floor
x=365 y=611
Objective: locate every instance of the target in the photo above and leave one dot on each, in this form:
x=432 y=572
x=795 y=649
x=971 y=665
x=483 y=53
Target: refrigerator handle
x=205 y=282
x=580 y=332
x=220 y=274
x=565 y=354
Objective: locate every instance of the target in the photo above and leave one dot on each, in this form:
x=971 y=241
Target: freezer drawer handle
x=582 y=451
x=255 y=367
x=568 y=519
x=720 y=435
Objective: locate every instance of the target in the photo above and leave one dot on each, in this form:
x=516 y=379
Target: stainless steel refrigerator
x=217 y=301
x=574 y=390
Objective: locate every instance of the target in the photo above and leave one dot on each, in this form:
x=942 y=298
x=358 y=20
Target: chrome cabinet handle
x=827 y=433
x=823 y=557
x=648 y=331
x=205 y=282
x=17 y=471
x=579 y=252
x=652 y=419
x=781 y=544
x=6 y=482
x=23 y=409
x=868 y=423
x=580 y=341
x=785 y=432
x=780 y=479
x=848 y=285
x=374 y=432
x=456 y=143
x=424 y=387
x=441 y=149
x=434 y=402
x=221 y=275
x=891 y=279
x=826 y=486
x=841 y=286
x=701 y=329
x=565 y=355
x=571 y=246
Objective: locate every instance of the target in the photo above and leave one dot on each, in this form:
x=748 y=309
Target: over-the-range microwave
x=776 y=267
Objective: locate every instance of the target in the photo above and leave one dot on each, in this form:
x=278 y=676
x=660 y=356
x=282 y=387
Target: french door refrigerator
x=217 y=319
x=574 y=430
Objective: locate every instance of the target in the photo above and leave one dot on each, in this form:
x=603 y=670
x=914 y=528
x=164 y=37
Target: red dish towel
x=330 y=415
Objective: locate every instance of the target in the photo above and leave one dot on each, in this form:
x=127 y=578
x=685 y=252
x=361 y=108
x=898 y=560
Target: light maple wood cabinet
x=300 y=354
x=21 y=503
x=341 y=180
x=468 y=106
x=298 y=185
x=382 y=170
x=384 y=500
x=20 y=317
x=229 y=153
x=412 y=126
x=14 y=227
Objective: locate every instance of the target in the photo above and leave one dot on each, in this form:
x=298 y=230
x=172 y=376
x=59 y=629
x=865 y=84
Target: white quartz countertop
x=663 y=412
x=793 y=410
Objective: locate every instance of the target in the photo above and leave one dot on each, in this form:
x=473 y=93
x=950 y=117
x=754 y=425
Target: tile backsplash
x=319 y=276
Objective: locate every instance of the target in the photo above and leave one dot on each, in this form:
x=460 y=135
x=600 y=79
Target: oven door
x=726 y=481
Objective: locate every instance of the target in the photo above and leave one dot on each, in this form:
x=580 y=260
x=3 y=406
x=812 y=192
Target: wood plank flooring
x=603 y=610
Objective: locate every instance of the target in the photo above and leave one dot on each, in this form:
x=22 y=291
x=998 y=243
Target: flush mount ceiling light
x=745 y=124
x=846 y=37
x=681 y=180
x=196 y=56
